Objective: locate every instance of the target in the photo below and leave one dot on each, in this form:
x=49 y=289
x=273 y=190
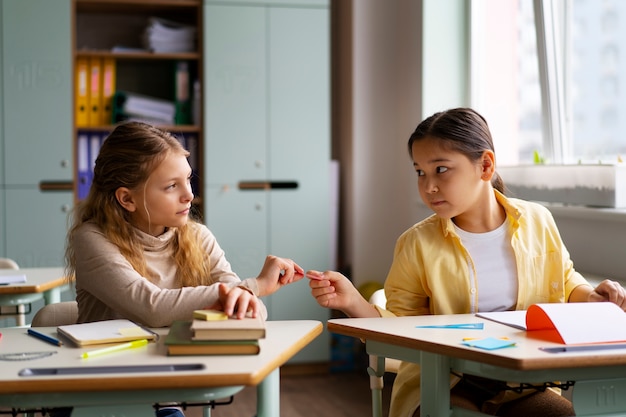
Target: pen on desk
x=579 y=348
x=45 y=337
x=116 y=348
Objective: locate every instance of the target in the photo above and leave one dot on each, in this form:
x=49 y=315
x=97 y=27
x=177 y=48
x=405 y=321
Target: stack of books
x=165 y=36
x=215 y=335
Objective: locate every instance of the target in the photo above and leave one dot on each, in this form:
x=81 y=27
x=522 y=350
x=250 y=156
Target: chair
x=379 y=365
x=56 y=314
x=6 y=263
x=20 y=313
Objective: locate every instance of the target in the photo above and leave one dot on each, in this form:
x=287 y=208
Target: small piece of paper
x=132 y=331
x=209 y=315
x=489 y=343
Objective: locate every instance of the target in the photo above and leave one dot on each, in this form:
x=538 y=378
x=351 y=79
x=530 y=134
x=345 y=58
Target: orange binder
x=82 y=92
x=95 y=93
x=108 y=90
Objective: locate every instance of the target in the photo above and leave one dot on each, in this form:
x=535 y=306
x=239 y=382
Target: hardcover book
x=247 y=328
x=179 y=342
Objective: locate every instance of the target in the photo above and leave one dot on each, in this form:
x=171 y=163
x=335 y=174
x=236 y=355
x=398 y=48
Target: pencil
x=45 y=337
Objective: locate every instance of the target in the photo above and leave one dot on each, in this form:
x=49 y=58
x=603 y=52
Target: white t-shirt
x=496 y=270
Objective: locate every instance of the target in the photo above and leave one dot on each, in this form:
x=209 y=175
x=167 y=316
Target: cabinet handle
x=56 y=186
x=267 y=185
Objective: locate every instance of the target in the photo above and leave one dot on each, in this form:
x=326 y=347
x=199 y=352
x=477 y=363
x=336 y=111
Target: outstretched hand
x=276 y=273
x=333 y=290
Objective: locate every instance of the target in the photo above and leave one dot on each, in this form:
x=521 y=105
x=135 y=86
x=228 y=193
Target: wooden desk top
x=284 y=339
x=37 y=280
x=526 y=355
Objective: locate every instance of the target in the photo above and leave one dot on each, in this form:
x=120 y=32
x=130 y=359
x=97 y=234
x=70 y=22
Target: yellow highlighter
x=116 y=348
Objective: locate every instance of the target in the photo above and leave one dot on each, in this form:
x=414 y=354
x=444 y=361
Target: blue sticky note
x=489 y=343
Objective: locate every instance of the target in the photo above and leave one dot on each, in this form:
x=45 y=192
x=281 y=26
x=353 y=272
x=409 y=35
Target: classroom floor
x=337 y=394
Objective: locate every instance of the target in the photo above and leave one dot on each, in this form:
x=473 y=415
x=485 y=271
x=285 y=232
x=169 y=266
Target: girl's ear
x=488 y=165
x=125 y=198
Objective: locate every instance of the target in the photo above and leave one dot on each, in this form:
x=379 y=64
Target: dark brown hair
x=462 y=130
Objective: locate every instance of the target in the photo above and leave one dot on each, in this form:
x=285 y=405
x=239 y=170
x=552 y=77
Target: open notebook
x=106 y=331
x=567 y=323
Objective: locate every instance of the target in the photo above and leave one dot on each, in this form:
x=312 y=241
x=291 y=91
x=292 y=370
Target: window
x=561 y=101
x=504 y=80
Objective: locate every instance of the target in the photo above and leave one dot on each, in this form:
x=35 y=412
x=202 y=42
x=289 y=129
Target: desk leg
x=268 y=395
x=376 y=372
x=435 y=389
x=53 y=295
x=20 y=317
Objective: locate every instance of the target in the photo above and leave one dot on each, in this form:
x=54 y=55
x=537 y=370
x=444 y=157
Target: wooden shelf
x=186 y=56
x=135 y=6
x=169 y=128
x=101 y=28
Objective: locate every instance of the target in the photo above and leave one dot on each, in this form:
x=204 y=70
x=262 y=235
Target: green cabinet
x=36 y=131
x=267 y=143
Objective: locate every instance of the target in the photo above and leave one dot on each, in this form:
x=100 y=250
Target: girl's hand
x=236 y=302
x=333 y=290
x=276 y=273
x=611 y=291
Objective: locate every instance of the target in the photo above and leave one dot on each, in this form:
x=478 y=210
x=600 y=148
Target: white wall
x=381 y=57
x=378 y=182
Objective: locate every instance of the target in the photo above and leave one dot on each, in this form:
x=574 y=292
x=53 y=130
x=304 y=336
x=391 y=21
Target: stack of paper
x=166 y=36
x=132 y=106
x=215 y=334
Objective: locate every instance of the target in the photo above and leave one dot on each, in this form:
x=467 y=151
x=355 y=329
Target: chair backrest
x=56 y=314
x=6 y=263
x=378 y=298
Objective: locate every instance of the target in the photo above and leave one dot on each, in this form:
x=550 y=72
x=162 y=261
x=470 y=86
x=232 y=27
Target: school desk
x=129 y=382
x=599 y=374
x=46 y=283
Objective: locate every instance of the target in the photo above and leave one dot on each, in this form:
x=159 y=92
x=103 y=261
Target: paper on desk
x=515 y=319
x=489 y=343
x=577 y=323
x=11 y=277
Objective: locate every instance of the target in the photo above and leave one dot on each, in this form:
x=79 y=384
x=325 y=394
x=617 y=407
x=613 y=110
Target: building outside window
x=569 y=86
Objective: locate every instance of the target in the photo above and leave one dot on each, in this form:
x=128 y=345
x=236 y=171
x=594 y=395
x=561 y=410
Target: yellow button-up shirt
x=430 y=274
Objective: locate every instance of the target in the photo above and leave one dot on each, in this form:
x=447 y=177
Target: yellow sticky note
x=133 y=331
x=209 y=315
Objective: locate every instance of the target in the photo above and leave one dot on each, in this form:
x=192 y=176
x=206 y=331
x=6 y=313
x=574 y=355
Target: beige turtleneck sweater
x=107 y=286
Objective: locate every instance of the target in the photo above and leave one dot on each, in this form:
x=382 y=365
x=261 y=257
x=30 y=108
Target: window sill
x=585 y=212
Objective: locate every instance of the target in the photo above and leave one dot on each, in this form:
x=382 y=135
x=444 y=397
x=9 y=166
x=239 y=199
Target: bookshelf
x=109 y=45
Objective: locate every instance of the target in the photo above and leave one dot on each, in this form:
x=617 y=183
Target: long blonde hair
x=126 y=159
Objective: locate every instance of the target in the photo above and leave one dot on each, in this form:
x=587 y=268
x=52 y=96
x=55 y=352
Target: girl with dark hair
x=480 y=251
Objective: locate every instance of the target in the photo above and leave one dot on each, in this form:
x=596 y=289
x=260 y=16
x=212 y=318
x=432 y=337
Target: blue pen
x=45 y=337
